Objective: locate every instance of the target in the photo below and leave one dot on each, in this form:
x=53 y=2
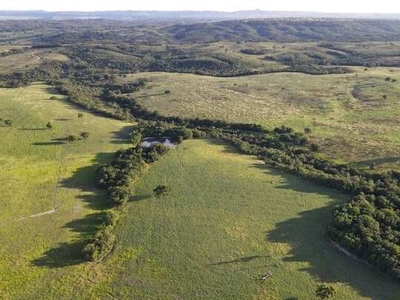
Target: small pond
x=150 y=141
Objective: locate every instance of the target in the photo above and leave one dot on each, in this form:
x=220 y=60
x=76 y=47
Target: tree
x=325 y=291
x=161 y=190
x=85 y=135
x=314 y=147
x=136 y=138
x=71 y=138
x=307 y=130
x=8 y=122
x=49 y=126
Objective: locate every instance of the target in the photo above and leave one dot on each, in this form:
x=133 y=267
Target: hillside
x=279 y=30
x=293 y=30
x=283 y=173
x=49 y=201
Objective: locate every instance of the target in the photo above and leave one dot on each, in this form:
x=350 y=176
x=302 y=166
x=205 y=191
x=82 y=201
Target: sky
x=358 y=6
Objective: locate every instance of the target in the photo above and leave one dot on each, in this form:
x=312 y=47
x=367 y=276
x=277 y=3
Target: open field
x=28 y=60
x=21 y=61
x=49 y=203
x=227 y=221
x=347 y=113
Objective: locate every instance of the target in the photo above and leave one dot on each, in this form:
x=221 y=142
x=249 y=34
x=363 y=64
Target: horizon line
x=204 y=11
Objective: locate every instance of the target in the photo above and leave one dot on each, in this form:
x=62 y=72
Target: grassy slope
x=351 y=126
x=28 y=60
x=228 y=221
x=39 y=255
x=22 y=61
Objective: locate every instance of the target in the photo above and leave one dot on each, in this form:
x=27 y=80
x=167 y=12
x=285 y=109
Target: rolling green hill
x=335 y=107
x=227 y=221
x=48 y=196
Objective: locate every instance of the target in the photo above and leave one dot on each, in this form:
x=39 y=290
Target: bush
x=71 y=138
x=85 y=135
x=112 y=218
x=325 y=291
x=161 y=190
x=119 y=195
x=198 y=134
x=99 y=247
x=136 y=138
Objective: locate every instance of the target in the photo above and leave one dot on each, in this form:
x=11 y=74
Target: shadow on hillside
x=306 y=235
x=33 y=129
x=65 y=255
x=48 y=143
x=84 y=179
x=138 y=198
x=378 y=161
x=149 y=95
x=239 y=260
x=309 y=244
x=226 y=147
x=52 y=90
x=122 y=136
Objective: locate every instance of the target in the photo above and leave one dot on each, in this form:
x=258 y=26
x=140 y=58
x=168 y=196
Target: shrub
x=85 y=135
x=71 y=138
x=99 y=247
x=112 y=218
x=325 y=291
x=119 y=195
x=161 y=190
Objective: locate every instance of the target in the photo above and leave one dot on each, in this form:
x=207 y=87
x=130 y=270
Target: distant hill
x=60 y=32
x=153 y=16
x=288 y=30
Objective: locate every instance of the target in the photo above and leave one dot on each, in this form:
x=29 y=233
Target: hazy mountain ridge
x=185 y=15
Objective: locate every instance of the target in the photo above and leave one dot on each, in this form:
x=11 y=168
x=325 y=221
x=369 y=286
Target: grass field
x=47 y=195
x=348 y=115
x=28 y=60
x=227 y=221
x=22 y=61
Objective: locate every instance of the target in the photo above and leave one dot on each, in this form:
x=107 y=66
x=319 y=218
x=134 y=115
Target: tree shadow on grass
x=84 y=179
x=306 y=235
x=33 y=129
x=122 y=136
x=48 y=143
x=245 y=259
x=227 y=148
x=149 y=95
x=138 y=198
x=65 y=255
x=377 y=162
